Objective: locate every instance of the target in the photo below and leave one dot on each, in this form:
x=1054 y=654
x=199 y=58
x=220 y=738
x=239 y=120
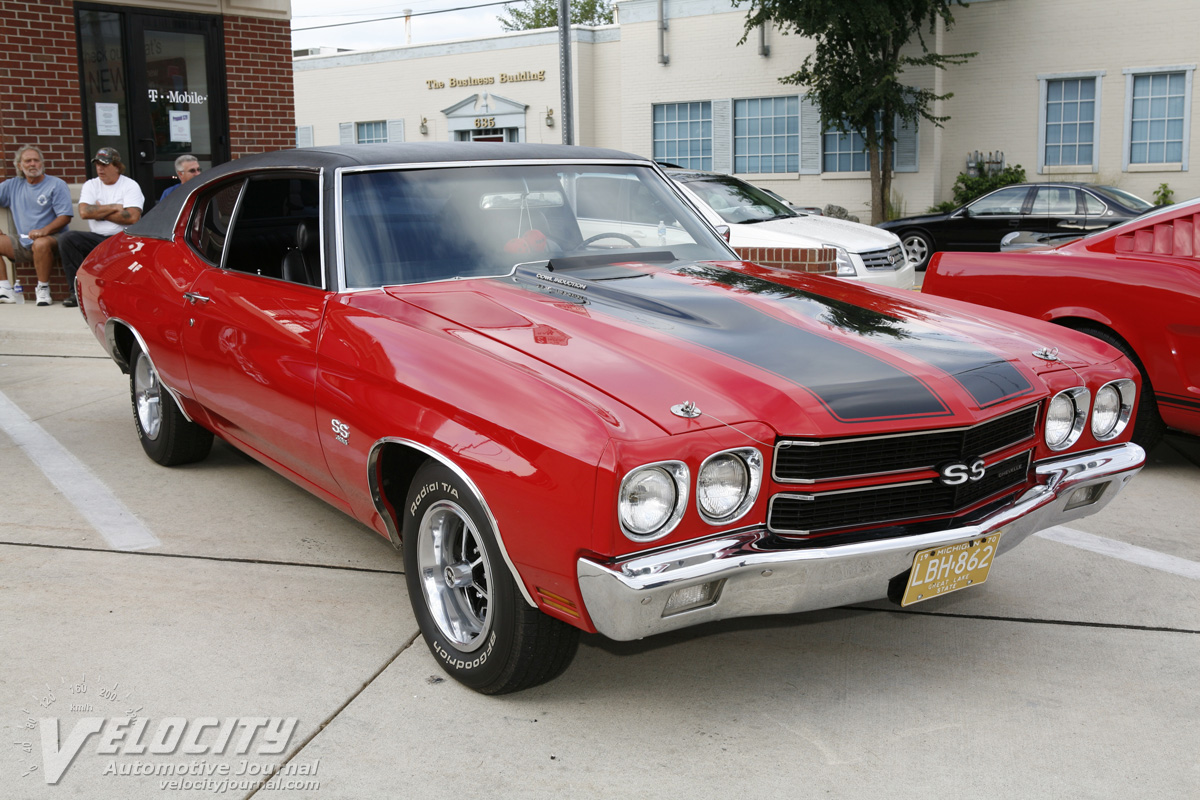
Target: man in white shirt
x=110 y=203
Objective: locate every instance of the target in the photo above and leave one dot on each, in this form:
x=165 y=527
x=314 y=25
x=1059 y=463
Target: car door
x=982 y=224
x=1057 y=209
x=250 y=339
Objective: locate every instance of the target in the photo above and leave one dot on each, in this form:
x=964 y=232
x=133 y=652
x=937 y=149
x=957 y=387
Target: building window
x=1068 y=109
x=1070 y=121
x=683 y=134
x=845 y=152
x=371 y=132
x=766 y=134
x=1158 y=117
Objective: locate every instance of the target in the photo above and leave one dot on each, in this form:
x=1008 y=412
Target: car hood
x=747 y=343
x=905 y=222
x=810 y=231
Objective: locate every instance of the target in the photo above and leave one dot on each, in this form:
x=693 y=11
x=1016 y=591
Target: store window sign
x=176 y=96
x=181 y=126
x=108 y=119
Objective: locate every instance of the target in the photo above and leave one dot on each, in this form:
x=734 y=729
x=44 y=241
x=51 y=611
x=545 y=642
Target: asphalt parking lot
x=242 y=624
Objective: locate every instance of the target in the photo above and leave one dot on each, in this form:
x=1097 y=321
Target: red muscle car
x=1135 y=286
x=576 y=412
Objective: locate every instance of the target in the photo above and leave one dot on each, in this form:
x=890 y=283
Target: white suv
x=756 y=219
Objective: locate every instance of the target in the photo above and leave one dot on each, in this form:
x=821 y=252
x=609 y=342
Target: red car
x=1135 y=286
x=570 y=427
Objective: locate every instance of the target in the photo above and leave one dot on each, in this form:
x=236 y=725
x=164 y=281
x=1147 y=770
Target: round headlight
x=1065 y=418
x=651 y=499
x=722 y=485
x=1113 y=409
x=1106 y=412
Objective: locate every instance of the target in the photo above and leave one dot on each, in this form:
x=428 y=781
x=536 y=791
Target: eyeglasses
x=192 y=171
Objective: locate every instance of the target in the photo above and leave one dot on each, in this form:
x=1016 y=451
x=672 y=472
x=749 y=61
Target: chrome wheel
x=916 y=248
x=147 y=397
x=455 y=575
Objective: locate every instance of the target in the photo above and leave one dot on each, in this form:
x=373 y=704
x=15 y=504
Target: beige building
x=1074 y=90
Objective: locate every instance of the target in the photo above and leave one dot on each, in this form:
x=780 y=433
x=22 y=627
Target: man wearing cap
x=110 y=203
x=41 y=207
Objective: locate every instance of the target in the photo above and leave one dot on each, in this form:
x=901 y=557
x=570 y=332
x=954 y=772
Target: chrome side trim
x=626 y=598
x=394 y=532
x=110 y=344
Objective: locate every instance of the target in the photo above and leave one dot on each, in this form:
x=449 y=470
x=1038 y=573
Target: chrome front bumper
x=627 y=599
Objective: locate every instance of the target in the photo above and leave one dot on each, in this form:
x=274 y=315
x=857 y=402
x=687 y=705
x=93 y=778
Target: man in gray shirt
x=41 y=207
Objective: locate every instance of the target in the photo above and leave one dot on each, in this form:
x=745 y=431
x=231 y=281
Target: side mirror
x=724 y=231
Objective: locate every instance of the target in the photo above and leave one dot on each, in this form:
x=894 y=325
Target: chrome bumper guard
x=627 y=599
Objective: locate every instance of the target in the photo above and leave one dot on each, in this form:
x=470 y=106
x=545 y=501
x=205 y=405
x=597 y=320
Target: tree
x=855 y=72
x=544 y=14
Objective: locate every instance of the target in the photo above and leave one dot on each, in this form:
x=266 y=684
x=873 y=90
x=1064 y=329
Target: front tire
x=167 y=436
x=1148 y=425
x=472 y=615
x=918 y=247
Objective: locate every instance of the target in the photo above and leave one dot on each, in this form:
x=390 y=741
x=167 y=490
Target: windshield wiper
x=770 y=219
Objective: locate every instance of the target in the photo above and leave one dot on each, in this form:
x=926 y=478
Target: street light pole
x=564 y=69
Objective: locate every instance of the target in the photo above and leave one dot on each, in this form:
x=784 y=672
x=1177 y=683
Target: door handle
x=194 y=298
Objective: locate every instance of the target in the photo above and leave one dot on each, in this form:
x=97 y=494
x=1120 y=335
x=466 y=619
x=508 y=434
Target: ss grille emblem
x=960 y=472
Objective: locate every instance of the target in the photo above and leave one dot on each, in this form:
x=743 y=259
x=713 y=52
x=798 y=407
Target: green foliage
x=856 y=70
x=544 y=14
x=967 y=188
x=1164 y=195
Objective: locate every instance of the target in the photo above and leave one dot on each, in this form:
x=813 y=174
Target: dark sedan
x=1058 y=208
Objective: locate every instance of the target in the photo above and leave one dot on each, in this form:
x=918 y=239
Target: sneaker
x=43 y=295
x=70 y=302
x=6 y=293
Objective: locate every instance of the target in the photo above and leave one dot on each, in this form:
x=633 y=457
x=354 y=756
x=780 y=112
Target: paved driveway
x=243 y=624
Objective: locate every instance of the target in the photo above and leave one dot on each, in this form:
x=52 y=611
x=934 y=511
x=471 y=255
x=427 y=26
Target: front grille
x=802 y=514
x=888 y=260
x=809 y=460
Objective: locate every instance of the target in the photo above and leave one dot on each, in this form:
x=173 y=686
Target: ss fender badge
x=956 y=473
x=341 y=431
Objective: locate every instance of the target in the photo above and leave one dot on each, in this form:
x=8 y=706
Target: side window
x=1094 y=205
x=1054 y=201
x=276 y=232
x=211 y=218
x=1001 y=201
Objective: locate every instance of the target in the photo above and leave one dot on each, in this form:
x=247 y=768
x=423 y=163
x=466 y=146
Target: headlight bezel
x=753 y=463
x=1127 y=395
x=845 y=266
x=679 y=475
x=1080 y=399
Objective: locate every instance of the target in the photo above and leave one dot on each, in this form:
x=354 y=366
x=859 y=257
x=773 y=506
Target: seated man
x=110 y=203
x=187 y=166
x=41 y=207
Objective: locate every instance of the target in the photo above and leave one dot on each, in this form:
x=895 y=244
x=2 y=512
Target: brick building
x=153 y=78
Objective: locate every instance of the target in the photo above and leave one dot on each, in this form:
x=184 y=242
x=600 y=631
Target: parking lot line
x=78 y=485
x=1125 y=552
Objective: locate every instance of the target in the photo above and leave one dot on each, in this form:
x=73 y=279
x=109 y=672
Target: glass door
x=153 y=88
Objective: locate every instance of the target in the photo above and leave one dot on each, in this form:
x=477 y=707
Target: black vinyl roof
x=159 y=222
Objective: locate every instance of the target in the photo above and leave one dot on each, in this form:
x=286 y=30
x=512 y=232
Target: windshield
x=1126 y=199
x=418 y=225
x=737 y=201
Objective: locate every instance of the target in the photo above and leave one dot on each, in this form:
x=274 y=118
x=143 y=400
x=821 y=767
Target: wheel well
x=1083 y=323
x=396 y=465
x=122 y=341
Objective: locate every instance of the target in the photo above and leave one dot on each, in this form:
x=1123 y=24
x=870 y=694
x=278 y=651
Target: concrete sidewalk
x=32 y=330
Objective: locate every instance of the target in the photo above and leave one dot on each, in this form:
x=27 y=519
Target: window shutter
x=345 y=133
x=907 y=147
x=722 y=135
x=810 y=136
x=304 y=136
x=395 y=130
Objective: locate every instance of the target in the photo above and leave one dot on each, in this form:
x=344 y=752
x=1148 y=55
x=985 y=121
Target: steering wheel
x=608 y=235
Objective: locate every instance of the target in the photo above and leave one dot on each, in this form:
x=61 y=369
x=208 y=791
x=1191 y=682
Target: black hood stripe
x=832 y=371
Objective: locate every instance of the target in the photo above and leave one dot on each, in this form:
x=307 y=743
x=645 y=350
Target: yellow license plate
x=942 y=570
